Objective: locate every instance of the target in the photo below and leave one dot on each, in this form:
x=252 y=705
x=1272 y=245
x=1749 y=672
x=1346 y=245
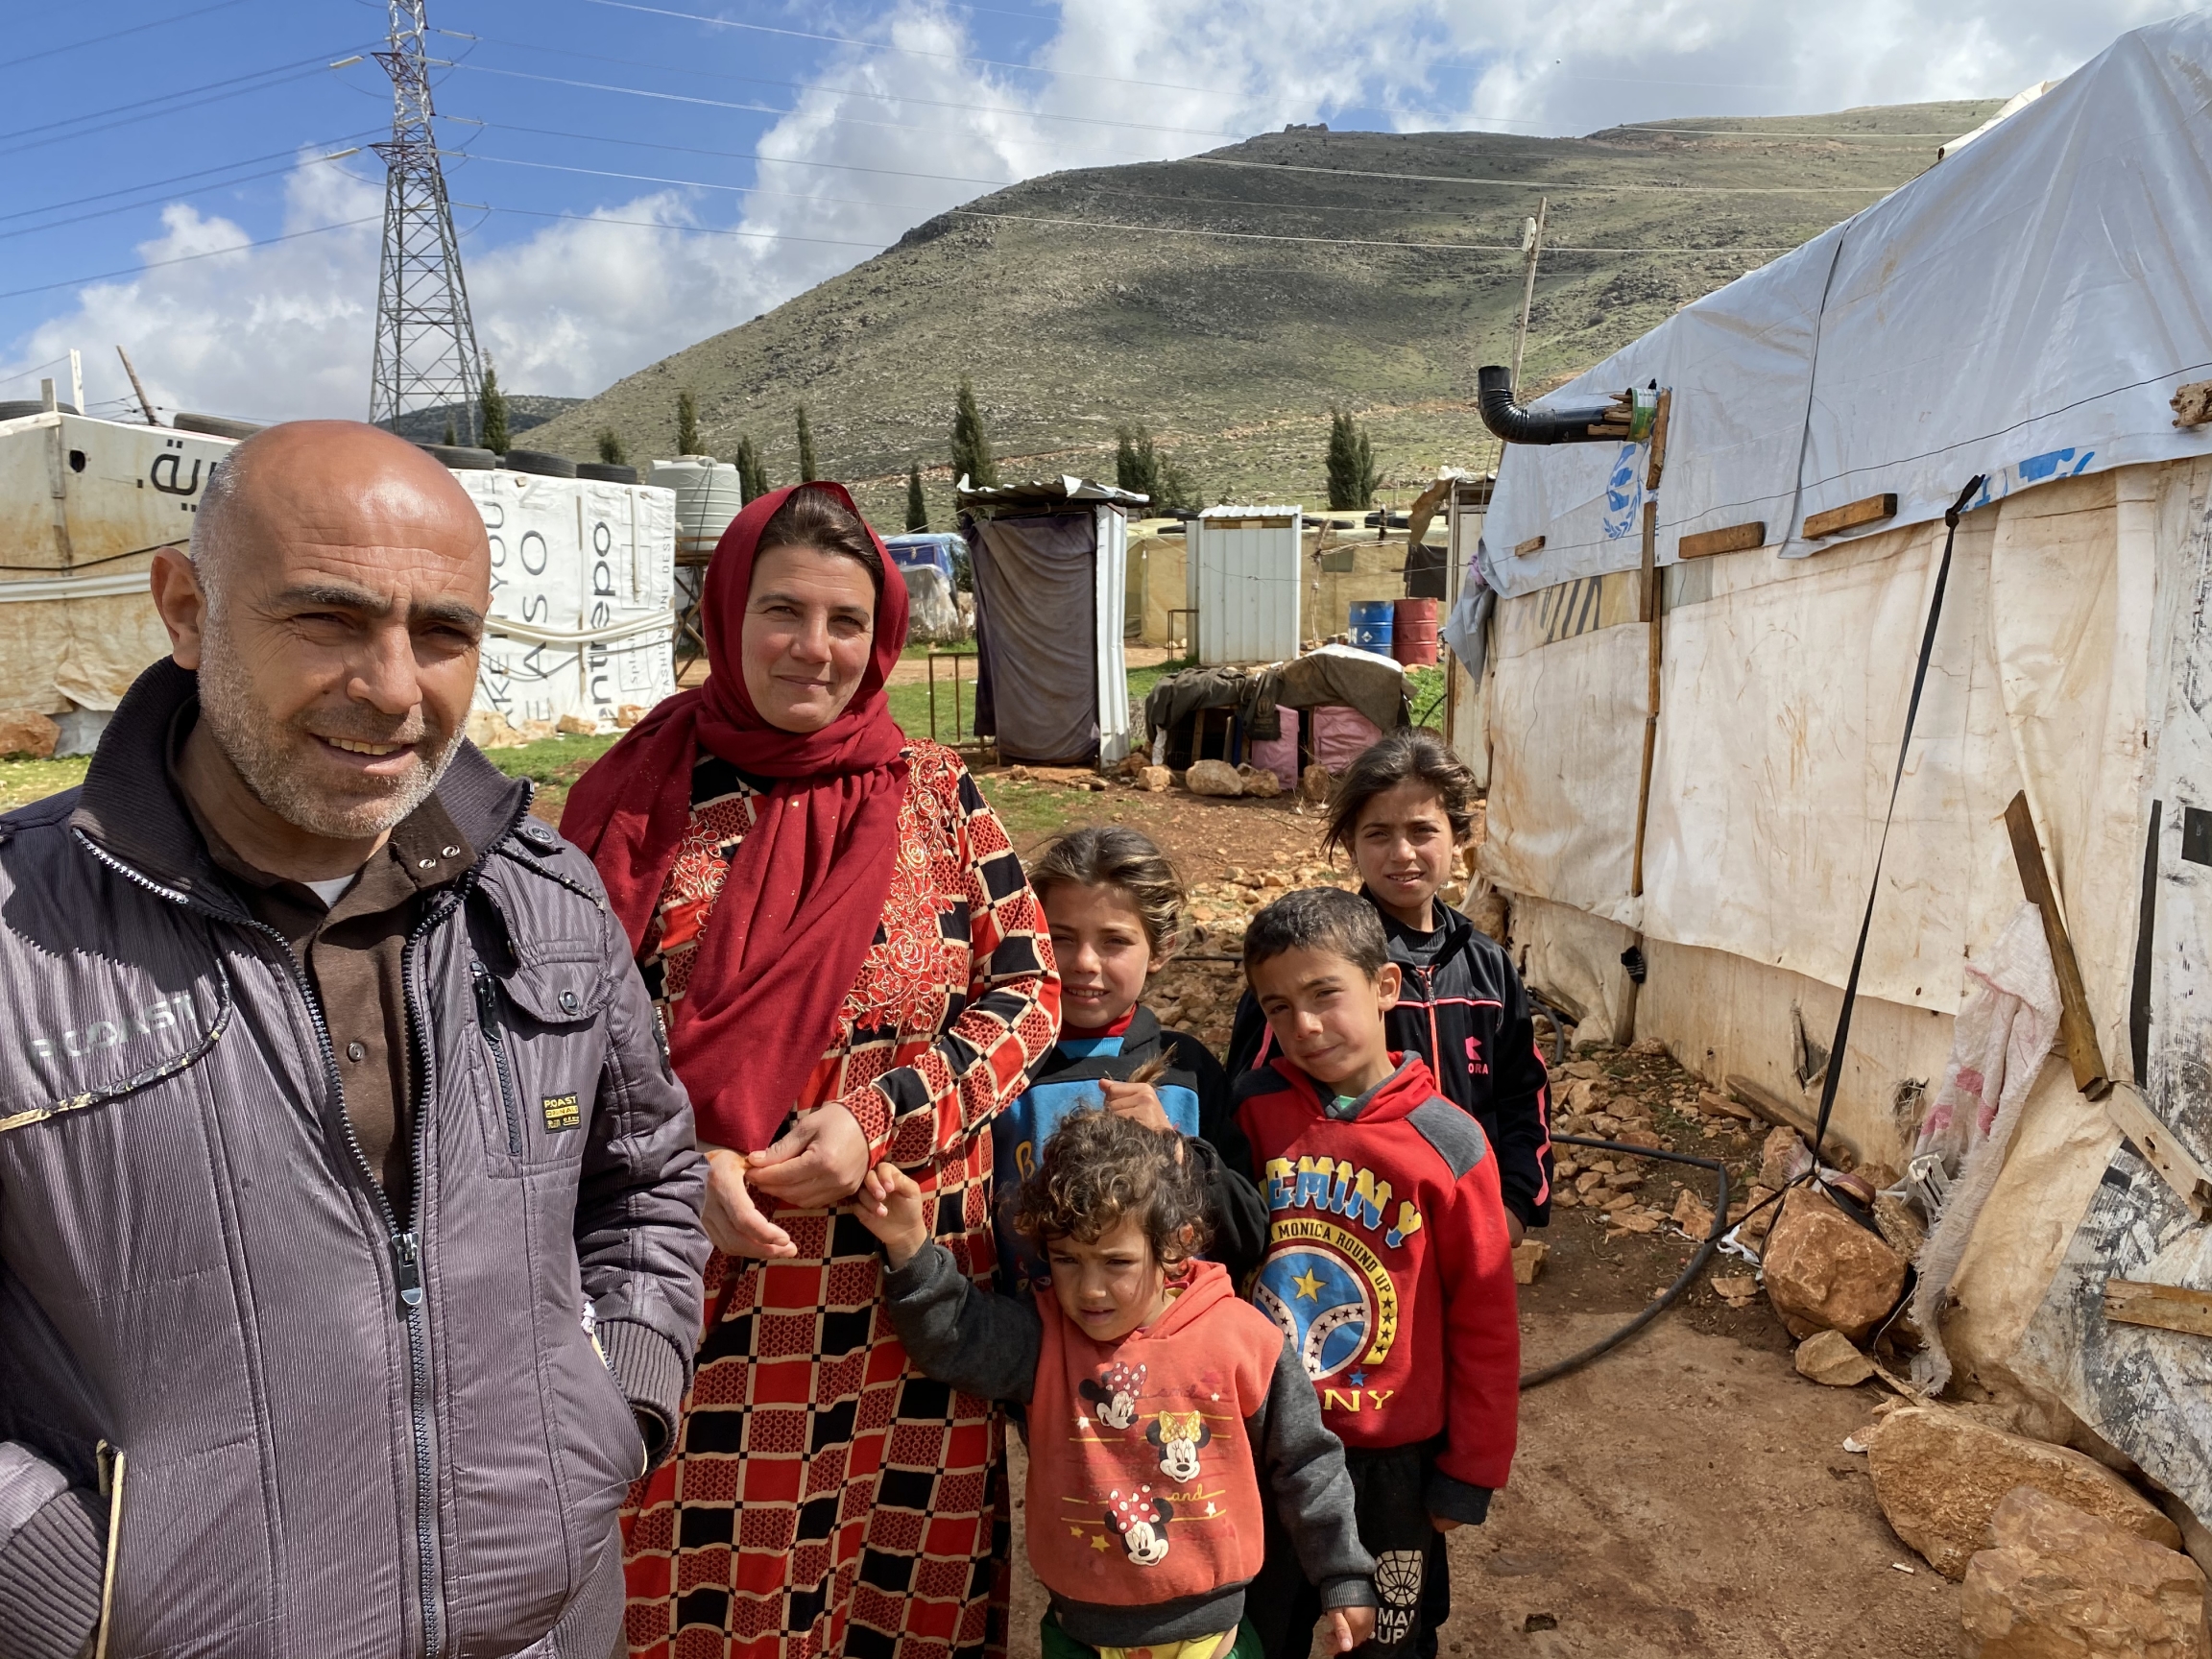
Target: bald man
x=350 y=1256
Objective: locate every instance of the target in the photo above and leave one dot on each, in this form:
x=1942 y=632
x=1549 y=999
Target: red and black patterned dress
x=824 y=1499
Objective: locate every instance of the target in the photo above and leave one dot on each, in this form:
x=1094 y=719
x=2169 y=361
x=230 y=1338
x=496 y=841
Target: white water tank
x=707 y=496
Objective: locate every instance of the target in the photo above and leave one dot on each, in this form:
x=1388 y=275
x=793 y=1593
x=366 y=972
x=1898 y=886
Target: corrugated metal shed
x=1244 y=583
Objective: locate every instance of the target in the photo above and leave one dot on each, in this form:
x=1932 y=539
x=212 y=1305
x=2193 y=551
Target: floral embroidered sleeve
x=1000 y=1025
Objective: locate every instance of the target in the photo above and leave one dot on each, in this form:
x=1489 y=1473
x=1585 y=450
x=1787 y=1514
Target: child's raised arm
x=954 y=1331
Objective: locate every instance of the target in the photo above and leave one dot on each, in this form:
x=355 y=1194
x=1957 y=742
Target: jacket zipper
x=403 y=1244
x=487 y=1018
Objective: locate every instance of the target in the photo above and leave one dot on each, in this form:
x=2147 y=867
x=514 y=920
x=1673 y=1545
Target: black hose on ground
x=1666 y=1298
x=1515 y=424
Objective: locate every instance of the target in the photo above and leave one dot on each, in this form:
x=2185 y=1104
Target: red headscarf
x=806 y=888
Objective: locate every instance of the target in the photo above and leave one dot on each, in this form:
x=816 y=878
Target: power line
x=141 y=104
x=692 y=183
x=1557 y=185
x=1346 y=241
x=772 y=109
x=1768 y=131
x=735 y=154
x=266 y=80
x=114 y=35
x=132 y=207
x=815 y=86
x=676 y=229
x=188 y=258
x=181 y=177
x=902 y=51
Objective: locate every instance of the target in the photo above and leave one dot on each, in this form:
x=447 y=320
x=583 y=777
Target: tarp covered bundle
x=1333 y=675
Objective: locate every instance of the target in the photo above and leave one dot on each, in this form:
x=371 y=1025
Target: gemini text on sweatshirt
x=1388 y=1267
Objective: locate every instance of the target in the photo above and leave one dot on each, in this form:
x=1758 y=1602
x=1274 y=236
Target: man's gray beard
x=253 y=740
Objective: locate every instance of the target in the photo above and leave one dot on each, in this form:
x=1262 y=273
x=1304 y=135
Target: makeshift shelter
x=1049 y=568
x=84 y=505
x=925 y=561
x=1224 y=714
x=2027 y=313
x=1243 y=578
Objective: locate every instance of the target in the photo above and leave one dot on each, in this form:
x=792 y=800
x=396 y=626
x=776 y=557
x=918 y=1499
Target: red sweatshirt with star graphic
x=1388 y=1264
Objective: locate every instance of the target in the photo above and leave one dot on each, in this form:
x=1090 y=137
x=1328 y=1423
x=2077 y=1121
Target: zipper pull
x=407 y=1269
x=487 y=999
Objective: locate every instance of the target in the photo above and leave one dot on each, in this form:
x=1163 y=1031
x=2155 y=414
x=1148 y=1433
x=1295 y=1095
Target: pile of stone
x=1588 y=1098
x=2060 y=1555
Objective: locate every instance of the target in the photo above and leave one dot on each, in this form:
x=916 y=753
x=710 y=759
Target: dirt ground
x=1689 y=1493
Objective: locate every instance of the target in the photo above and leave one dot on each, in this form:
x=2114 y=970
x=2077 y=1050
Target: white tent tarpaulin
x=582 y=580
x=2023 y=310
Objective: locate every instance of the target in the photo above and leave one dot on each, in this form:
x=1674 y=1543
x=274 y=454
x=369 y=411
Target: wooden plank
x=1731 y=539
x=1658 y=462
x=1850 y=515
x=2161 y=1307
x=2077 y=1031
x=1783 y=1114
x=1535 y=544
x=2132 y=1116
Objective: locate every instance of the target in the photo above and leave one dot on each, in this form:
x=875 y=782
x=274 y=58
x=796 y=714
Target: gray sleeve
x=638 y=1240
x=956 y=1332
x=1304 y=1462
x=53 y=1559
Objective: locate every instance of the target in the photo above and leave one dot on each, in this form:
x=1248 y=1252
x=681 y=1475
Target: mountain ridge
x=1266 y=282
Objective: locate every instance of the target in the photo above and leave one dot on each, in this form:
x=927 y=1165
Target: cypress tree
x=451 y=436
x=752 y=476
x=493 y=403
x=971 y=456
x=1353 y=473
x=688 y=424
x=807 y=471
x=611 y=448
x=917 y=505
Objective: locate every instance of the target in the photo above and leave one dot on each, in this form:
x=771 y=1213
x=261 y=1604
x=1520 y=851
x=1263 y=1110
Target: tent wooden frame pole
x=1528 y=290
x=1650 y=602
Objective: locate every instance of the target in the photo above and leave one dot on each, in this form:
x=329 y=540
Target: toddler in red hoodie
x=1159 y=1405
x=1388 y=1265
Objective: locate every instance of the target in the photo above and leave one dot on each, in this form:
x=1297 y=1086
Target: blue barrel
x=1371 y=622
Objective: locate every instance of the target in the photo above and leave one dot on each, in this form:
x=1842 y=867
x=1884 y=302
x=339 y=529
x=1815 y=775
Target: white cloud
x=285 y=329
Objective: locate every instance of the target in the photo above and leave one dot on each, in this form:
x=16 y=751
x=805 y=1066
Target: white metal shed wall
x=1244 y=581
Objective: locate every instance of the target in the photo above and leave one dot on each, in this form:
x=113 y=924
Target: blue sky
x=639 y=176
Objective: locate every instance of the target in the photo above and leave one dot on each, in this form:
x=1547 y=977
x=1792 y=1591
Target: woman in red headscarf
x=850 y=968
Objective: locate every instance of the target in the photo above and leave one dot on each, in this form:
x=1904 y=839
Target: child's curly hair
x=1100 y=1169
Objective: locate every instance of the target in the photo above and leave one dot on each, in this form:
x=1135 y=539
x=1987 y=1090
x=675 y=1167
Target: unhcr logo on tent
x=1624 y=492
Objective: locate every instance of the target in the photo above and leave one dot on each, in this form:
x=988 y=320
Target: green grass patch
x=1031 y=811
x=1424 y=692
x=23 y=782
x=551 y=759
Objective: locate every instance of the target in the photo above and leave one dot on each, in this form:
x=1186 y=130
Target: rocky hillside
x=1332 y=290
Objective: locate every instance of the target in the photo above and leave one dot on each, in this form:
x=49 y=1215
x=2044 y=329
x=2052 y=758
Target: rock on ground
x=1826 y=1272
x=490 y=729
x=1212 y=778
x=1939 y=1476
x=1528 y=1260
x=1316 y=783
x=1829 y=1357
x=2060 y=1584
x=26 y=731
x=1154 y=779
x=1259 y=784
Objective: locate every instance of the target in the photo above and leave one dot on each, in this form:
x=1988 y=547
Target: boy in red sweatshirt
x=1388 y=1264
x=1167 y=1420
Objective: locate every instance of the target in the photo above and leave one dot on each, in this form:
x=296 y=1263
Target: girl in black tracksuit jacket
x=1401 y=812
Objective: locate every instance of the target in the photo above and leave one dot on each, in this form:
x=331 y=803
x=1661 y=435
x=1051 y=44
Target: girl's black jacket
x=1464 y=1011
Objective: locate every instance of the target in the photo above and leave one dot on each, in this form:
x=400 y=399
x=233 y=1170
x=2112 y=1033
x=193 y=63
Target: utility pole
x=426 y=343
x=145 y=404
x=1532 y=245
